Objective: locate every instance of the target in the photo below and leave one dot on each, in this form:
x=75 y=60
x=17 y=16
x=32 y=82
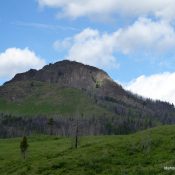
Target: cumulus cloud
x=152 y=31
x=132 y=8
x=90 y=47
x=145 y=35
x=100 y=49
x=158 y=86
x=15 y=60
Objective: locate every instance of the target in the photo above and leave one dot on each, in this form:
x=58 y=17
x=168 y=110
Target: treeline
x=14 y=126
x=138 y=108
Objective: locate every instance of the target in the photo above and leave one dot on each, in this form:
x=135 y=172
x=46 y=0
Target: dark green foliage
x=24 y=146
x=51 y=123
x=98 y=84
x=32 y=84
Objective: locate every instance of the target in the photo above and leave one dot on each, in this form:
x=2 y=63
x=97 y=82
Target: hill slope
x=68 y=91
x=146 y=152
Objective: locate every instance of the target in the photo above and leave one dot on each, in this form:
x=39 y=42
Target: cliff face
x=65 y=73
x=73 y=74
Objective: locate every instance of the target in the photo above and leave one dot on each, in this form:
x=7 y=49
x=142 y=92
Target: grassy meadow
x=146 y=152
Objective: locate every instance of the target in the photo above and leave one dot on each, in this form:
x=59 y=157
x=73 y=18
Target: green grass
x=145 y=153
x=49 y=100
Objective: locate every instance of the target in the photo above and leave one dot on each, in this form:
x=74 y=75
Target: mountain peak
x=66 y=73
x=64 y=87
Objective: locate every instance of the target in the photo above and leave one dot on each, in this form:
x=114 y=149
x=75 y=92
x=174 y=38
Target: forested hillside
x=67 y=92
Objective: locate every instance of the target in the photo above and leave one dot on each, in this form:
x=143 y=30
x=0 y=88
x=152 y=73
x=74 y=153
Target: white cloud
x=133 y=8
x=43 y=26
x=146 y=35
x=90 y=47
x=15 y=60
x=158 y=86
x=96 y=48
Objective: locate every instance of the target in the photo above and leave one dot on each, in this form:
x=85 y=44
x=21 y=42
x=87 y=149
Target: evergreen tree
x=76 y=135
x=24 y=146
x=50 y=123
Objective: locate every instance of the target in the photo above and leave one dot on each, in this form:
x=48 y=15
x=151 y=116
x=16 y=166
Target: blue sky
x=132 y=40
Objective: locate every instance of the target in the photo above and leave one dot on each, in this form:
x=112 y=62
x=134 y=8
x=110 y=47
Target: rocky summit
x=73 y=74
